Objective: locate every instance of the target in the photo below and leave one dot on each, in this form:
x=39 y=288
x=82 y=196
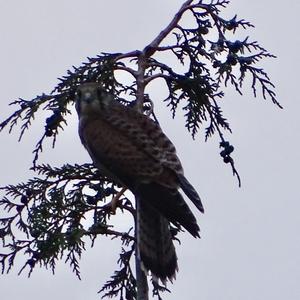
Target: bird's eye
x=99 y=93
x=78 y=93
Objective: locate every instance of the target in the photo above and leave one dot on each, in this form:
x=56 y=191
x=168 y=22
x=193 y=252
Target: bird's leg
x=114 y=202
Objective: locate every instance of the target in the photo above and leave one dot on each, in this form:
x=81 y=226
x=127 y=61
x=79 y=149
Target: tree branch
x=141 y=277
x=149 y=50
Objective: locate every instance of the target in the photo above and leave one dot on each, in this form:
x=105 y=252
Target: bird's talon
x=113 y=204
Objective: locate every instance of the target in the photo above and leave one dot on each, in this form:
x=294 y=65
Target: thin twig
x=151 y=48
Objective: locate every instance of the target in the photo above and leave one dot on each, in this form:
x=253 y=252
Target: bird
x=131 y=149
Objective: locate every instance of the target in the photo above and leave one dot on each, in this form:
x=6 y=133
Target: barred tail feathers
x=155 y=245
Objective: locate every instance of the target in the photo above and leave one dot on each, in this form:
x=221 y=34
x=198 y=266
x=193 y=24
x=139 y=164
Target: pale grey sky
x=250 y=246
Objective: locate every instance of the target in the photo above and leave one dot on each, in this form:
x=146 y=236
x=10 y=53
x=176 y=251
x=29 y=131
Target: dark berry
x=224 y=144
x=230 y=149
x=217 y=64
x=24 y=200
x=223 y=153
x=31 y=262
x=19 y=208
x=48 y=132
x=227 y=159
x=235 y=47
x=203 y=30
x=109 y=191
x=91 y=200
x=231 y=59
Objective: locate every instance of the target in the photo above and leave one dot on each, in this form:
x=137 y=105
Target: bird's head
x=91 y=98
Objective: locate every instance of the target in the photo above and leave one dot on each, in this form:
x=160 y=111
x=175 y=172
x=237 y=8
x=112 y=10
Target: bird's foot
x=113 y=204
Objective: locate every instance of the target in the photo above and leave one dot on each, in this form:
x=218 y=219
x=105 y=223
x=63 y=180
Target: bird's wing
x=149 y=137
x=131 y=148
x=146 y=135
x=118 y=154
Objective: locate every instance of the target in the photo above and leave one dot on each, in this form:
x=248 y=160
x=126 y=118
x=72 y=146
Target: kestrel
x=131 y=149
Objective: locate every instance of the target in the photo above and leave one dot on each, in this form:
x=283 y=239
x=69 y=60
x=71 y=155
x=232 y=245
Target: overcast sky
x=250 y=246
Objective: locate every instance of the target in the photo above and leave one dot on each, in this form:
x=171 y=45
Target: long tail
x=155 y=246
